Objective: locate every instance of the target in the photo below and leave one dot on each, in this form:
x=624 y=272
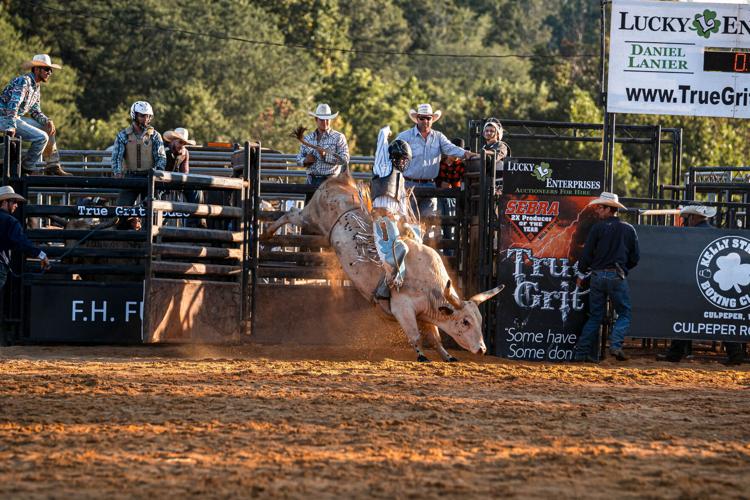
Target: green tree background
x=201 y=66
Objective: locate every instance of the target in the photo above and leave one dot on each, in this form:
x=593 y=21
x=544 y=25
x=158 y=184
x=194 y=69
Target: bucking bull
x=424 y=303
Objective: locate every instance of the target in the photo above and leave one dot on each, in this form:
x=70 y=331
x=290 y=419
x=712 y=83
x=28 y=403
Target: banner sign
x=101 y=313
x=679 y=58
x=691 y=283
x=544 y=223
x=121 y=211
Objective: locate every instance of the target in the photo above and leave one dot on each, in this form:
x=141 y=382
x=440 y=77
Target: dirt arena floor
x=261 y=421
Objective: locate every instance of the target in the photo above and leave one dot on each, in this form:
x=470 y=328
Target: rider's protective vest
x=138 y=155
x=392 y=186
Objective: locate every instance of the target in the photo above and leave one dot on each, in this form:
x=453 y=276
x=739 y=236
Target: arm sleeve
x=16 y=95
x=118 y=152
x=185 y=168
x=587 y=257
x=634 y=253
x=36 y=113
x=303 y=151
x=382 y=166
x=20 y=241
x=160 y=156
x=341 y=155
x=448 y=148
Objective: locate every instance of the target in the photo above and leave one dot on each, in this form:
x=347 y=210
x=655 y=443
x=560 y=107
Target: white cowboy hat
x=423 y=110
x=40 y=61
x=7 y=193
x=323 y=111
x=700 y=210
x=608 y=199
x=179 y=133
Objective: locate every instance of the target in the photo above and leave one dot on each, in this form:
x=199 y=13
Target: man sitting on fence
x=11 y=234
x=324 y=151
x=138 y=150
x=21 y=96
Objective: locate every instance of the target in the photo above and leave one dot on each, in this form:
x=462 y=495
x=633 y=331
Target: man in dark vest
x=138 y=149
x=390 y=206
x=11 y=234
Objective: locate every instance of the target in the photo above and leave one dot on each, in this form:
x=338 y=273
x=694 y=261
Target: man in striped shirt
x=324 y=151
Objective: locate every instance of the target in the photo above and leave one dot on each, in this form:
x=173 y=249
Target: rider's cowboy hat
x=323 y=111
x=700 y=210
x=424 y=110
x=40 y=61
x=608 y=199
x=178 y=133
x=7 y=193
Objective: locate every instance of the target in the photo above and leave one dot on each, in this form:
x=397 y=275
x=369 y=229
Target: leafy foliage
x=239 y=69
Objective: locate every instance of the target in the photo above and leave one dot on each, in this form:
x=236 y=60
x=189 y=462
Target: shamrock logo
x=706 y=23
x=732 y=273
x=542 y=171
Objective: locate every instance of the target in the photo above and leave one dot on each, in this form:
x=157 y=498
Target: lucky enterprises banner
x=679 y=58
x=691 y=283
x=544 y=224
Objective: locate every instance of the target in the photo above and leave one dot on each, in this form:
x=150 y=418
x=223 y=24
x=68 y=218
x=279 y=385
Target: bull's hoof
x=452 y=359
x=422 y=359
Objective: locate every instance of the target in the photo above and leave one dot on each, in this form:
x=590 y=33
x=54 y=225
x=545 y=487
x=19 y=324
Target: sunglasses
x=424 y=118
x=46 y=70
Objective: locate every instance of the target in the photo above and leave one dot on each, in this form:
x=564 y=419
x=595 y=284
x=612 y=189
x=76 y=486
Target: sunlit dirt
x=315 y=422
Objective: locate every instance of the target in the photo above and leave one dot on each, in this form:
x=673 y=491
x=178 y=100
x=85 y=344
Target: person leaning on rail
x=11 y=234
x=493 y=135
x=24 y=95
x=178 y=160
x=324 y=151
x=698 y=216
x=611 y=250
x=138 y=149
x=427 y=146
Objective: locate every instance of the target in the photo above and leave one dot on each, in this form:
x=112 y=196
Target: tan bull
x=425 y=303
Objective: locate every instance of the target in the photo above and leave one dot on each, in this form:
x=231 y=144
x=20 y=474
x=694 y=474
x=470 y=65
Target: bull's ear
x=446 y=310
x=481 y=297
x=451 y=297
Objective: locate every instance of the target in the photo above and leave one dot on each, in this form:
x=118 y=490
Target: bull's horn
x=451 y=297
x=482 y=296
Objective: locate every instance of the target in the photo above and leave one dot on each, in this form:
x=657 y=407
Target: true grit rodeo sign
x=544 y=223
x=675 y=58
x=692 y=283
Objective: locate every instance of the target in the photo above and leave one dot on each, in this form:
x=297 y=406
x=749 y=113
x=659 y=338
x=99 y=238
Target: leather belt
x=419 y=181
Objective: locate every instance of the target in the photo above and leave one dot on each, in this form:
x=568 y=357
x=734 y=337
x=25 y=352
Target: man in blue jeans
x=611 y=250
x=23 y=95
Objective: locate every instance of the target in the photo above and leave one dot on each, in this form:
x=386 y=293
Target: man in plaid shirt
x=329 y=152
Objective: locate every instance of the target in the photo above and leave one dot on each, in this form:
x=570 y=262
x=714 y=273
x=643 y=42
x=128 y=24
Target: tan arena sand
x=308 y=422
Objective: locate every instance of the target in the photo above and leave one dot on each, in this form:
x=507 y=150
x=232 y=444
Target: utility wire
x=315 y=47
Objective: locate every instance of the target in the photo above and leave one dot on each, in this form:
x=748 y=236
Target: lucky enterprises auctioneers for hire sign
x=544 y=223
x=679 y=59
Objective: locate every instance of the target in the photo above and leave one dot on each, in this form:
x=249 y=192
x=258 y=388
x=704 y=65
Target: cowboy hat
x=700 y=210
x=7 y=193
x=608 y=199
x=40 y=61
x=179 y=133
x=423 y=110
x=323 y=111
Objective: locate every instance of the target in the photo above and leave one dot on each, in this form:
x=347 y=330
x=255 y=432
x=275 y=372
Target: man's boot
x=383 y=291
x=55 y=169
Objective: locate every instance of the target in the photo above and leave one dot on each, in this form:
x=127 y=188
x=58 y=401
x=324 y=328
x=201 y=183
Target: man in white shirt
x=427 y=146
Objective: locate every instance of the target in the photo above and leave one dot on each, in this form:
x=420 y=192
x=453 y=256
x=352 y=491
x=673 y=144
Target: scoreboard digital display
x=726 y=60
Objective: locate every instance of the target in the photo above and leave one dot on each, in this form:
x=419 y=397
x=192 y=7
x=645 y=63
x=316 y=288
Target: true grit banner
x=679 y=58
x=544 y=224
x=692 y=283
